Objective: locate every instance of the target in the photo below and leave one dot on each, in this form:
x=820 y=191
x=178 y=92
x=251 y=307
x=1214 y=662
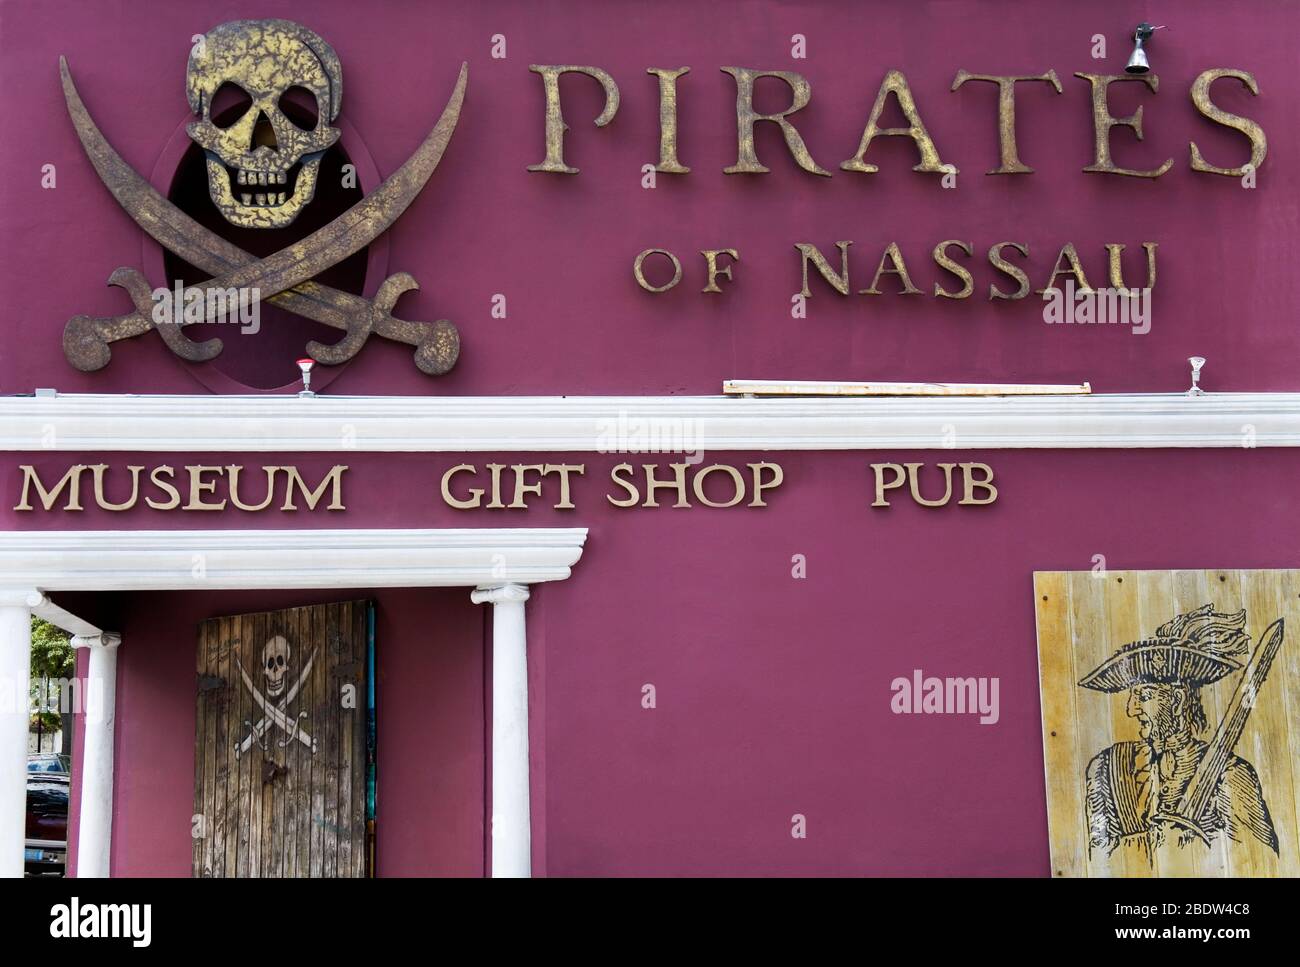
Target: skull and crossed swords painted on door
x=282 y=751
x=274 y=701
x=264 y=183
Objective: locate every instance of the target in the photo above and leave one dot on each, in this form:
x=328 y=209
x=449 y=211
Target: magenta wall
x=560 y=248
x=431 y=759
x=773 y=693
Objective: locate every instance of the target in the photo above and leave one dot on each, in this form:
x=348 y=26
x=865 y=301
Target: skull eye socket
x=279 y=660
x=230 y=103
x=299 y=105
x=270 y=664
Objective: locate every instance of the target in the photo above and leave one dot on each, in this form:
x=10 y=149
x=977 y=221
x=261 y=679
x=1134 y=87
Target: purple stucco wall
x=560 y=248
x=772 y=692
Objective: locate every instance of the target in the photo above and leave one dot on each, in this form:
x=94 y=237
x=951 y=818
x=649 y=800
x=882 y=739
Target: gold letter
x=736 y=479
x=809 y=253
x=1011 y=164
x=881 y=486
x=332 y=479
x=495 y=502
x=995 y=257
x=564 y=469
x=522 y=488
x=103 y=501
x=71 y=480
x=641 y=280
x=944 y=262
x=895 y=83
x=476 y=493
x=198 y=487
x=913 y=484
x=711 y=260
x=555 y=126
x=634 y=494
x=1201 y=98
x=652 y=484
x=233 y=472
x=1113 y=251
x=899 y=269
x=668 y=162
x=757 y=469
x=172 y=502
x=747 y=158
x=971 y=483
x=1102 y=122
x=1070 y=255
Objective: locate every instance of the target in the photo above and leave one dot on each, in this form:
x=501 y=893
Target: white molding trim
x=78 y=627
x=270 y=424
x=114 y=560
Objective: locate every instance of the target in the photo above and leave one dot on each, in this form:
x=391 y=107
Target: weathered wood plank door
x=280 y=744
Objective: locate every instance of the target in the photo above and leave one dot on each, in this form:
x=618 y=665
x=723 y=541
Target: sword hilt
x=87 y=339
x=437 y=344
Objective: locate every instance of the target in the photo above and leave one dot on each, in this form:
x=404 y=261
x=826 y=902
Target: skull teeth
x=244 y=177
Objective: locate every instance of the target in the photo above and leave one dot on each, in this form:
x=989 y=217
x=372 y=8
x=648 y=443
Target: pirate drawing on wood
x=1180 y=783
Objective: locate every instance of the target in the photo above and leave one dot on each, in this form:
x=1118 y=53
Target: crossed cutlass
x=284 y=279
x=276 y=713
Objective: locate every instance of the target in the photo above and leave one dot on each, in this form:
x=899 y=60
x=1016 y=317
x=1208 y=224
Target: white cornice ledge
x=213 y=559
x=637 y=424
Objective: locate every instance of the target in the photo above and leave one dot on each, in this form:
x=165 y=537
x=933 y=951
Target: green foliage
x=52 y=651
x=50 y=722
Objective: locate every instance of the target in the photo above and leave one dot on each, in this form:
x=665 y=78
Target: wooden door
x=280 y=744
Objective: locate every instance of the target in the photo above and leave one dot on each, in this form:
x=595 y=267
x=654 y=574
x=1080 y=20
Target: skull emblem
x=275 y=661
x=263 y=165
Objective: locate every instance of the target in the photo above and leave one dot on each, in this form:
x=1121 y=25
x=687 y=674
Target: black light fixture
x=1137 y=62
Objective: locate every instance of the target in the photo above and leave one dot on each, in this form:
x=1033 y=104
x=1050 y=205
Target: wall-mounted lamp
x=1137 y=62
x=1197 y=362
x=305 y=365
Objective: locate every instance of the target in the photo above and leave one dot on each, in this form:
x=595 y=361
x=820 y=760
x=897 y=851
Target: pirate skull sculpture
x=261 y=180
x=275 y=661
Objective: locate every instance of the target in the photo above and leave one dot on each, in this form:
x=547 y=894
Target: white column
x=15 y=713
x=95 y=832
x=511 y=835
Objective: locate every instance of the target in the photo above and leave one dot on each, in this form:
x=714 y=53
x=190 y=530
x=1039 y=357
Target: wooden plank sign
x=280 y=744
x=1171 y=721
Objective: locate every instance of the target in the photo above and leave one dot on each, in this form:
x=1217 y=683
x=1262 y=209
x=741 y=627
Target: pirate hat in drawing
x=1198 y=647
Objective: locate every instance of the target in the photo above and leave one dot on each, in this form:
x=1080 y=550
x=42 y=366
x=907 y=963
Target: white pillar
x=95 y=832
x=511 y=834
x=15 y=713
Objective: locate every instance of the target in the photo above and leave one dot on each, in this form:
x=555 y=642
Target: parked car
x=48 y=762
x=45 y=850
